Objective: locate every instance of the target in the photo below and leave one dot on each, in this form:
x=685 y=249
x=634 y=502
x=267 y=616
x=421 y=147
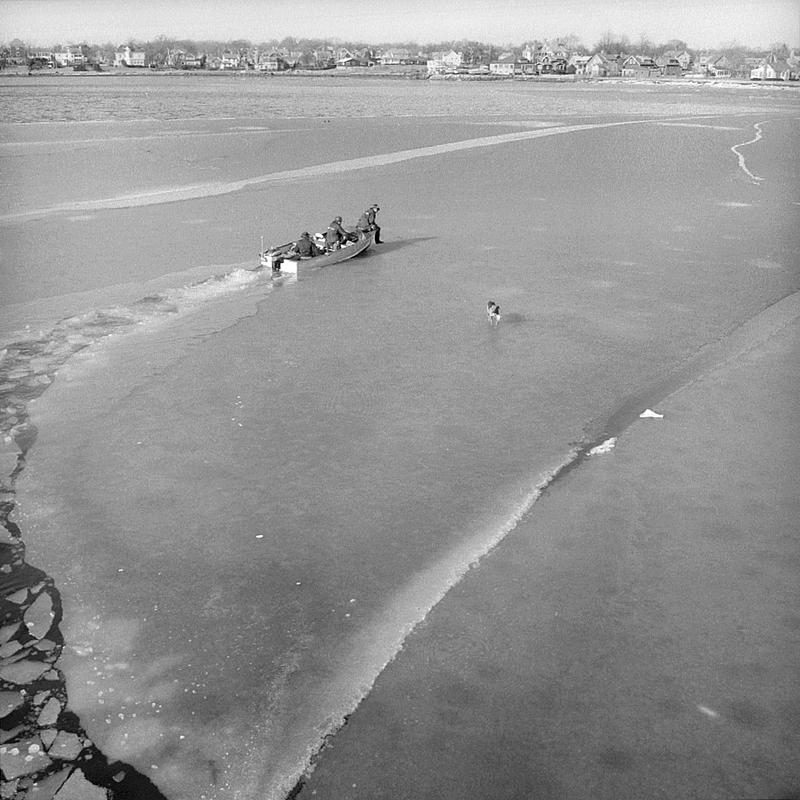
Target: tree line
x=474 y=52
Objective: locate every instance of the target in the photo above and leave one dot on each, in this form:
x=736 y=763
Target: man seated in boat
x=305 y=248
x=336 y=235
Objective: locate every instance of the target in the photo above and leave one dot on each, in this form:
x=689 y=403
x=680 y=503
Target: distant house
x=192 y=61
x=393 y=57
x=547 y=50
x=452 y=59
x=417 y=59
x=229 y=60
x=639 y=67
x=552 y=65
x=745 y=66
x=702 y=61
x=714 y=65
x=445 y=62
x=175 y=58
x=602 y=66
x=128 y=57
x=596 y=64
x=718 y=67
x=272 y=61
x=503 y=65
x=318 y=58
x=180 y=59
x=326 y=57
x=577 y=64
x=16 y=54
x=70 y=55
x=774 y=70
x=38 y=58
x=670 y=66
x=358 y=58
x=685 y=59
x=344 y=58
x=435 y=66
x=549 y=58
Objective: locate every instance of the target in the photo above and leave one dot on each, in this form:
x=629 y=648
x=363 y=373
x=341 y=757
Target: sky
x=699 y=23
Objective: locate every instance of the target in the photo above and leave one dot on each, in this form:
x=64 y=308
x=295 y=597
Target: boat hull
x=275 y=256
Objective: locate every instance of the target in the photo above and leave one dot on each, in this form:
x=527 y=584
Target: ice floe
x=605 y=447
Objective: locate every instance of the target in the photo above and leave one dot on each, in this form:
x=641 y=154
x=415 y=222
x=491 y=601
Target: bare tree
x=779 y=49
x=613 y=43
x=572 y=42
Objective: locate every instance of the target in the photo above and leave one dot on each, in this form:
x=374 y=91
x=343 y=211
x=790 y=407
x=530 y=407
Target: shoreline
x=371 y=73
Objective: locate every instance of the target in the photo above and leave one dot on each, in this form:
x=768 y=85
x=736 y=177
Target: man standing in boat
x=366 y=222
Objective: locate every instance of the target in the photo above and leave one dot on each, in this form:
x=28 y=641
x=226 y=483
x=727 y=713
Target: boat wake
x=29 y=363
x=30 y=358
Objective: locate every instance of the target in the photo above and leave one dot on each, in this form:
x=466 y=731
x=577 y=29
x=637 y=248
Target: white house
x=272 y=61
x=70 y=55
x=127 y=57
x=685 y=59
x=639 y=67
x=229 y=60
x=773 y=70
x=558 y=51
x=396 y=56
x=503 y=65
x=445 y=62
x=600 y=65
x=450 y=60
x=579 y=63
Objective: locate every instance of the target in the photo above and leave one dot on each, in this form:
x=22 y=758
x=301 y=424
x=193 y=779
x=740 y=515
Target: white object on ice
x=709 y=712
x=606 y=447
x=648 y=413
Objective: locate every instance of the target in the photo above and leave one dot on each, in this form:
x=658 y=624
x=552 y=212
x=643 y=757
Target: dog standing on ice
x=493 y=312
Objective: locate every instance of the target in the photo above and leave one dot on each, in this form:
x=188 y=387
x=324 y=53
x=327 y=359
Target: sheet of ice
x=247 y=503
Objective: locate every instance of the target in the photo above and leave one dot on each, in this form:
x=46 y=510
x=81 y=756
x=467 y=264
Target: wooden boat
x=276 y=260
